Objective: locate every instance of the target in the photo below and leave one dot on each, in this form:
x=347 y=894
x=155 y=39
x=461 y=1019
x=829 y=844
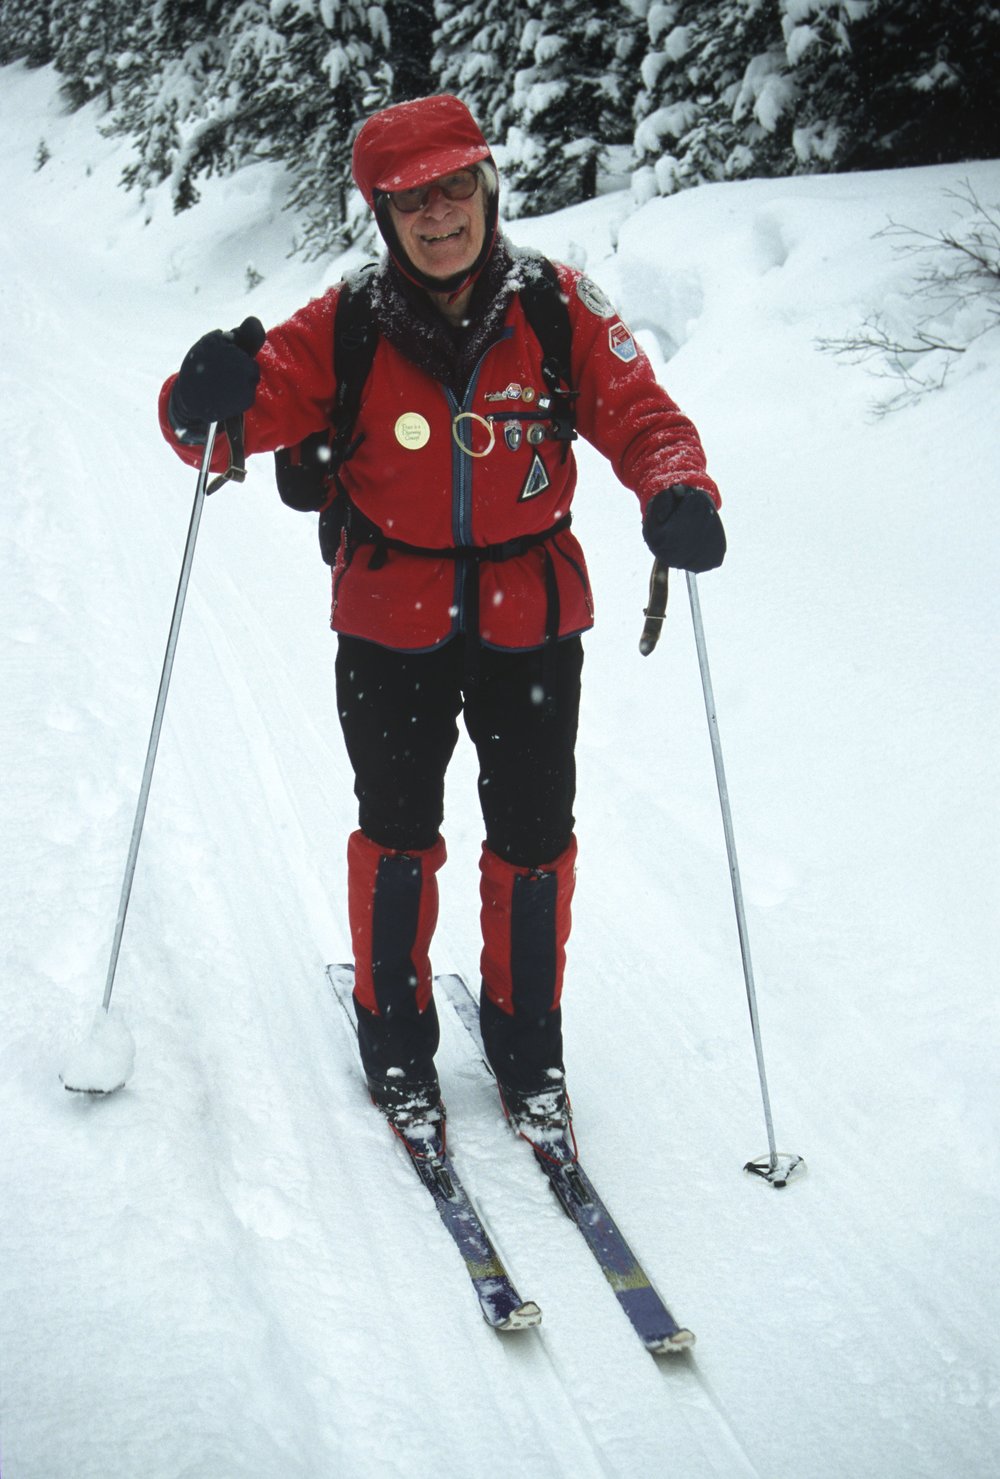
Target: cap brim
x=432 y=167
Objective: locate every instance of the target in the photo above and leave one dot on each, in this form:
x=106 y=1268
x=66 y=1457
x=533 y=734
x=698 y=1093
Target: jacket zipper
x=461 y=481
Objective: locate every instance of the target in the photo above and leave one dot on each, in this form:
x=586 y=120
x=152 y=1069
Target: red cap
x=413 y=143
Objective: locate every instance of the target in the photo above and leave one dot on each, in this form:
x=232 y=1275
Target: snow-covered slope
x=227 y=1269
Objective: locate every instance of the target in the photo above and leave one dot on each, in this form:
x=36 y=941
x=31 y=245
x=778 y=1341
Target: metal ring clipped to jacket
x=473 y=416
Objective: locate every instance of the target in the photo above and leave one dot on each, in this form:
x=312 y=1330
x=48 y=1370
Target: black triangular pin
x=536 y=482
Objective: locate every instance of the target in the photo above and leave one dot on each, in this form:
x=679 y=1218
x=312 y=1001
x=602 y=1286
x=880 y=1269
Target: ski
x=557 y=1155
x=501 y=1304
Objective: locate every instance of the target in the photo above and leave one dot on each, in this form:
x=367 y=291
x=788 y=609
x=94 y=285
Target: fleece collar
x=411 y=323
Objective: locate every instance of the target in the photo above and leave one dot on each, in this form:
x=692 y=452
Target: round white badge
x=594 y=298
x=412 y=431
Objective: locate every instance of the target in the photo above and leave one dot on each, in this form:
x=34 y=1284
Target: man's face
x=443 y=237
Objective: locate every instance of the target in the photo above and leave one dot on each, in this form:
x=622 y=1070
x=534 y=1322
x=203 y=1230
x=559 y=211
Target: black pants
x=399 y=714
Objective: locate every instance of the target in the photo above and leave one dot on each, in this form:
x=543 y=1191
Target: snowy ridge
x=226 y=1269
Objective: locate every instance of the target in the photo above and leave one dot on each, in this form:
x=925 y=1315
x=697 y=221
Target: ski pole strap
x=237 y=470
x=656 y=610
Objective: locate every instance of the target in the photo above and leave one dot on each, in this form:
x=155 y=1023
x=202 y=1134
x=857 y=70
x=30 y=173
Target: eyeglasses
x=462 y=185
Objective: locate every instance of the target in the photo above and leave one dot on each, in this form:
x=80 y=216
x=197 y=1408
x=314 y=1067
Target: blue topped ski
x=557 y=1155
x=502 y=1306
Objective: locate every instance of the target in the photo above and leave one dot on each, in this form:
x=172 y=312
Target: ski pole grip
x=250 y=336
x=656 y=610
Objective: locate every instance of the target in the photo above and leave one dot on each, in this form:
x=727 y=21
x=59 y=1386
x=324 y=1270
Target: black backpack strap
x=545 y=309
x=308 y=475
x=355 y=339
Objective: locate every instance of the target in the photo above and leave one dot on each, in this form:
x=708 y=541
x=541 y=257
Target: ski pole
x=775 y=1167
x=161 y=704
x=103 y=1062
x=87 y=1074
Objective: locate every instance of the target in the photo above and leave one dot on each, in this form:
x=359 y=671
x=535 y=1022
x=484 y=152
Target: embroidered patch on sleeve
x=621 y=343
x=594 y=298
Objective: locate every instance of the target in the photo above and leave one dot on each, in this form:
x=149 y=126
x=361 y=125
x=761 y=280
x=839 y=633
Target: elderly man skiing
x=444 y=389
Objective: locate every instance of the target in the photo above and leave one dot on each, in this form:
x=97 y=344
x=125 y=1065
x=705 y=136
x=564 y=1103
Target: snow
x=227 y=1268
x=766 y=86
x=798 y=41
x=101 y=1062
x=664 y=123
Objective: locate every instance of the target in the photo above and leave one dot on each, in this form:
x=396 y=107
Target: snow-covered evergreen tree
x=572 y=99
x=208 y=88
x=475 y=56
x=762 y=87
x=166 y=92
x=24 y=32
x=411 y=44
x=334 y=72
x=716 y=91
x=920 y=83
x=84 y=36
x=714 y=87
x=887 y=83
x=820 y=63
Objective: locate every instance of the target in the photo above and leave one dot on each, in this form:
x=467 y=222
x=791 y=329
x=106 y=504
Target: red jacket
x=413 y=480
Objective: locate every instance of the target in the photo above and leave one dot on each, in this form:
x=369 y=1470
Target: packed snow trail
x=228 y=1268
x=211 y=1216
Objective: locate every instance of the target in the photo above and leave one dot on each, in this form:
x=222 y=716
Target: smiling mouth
x=447 y=236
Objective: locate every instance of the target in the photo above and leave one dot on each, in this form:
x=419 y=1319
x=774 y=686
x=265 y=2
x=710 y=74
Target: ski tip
x=525 y=1317
x=672 y=1345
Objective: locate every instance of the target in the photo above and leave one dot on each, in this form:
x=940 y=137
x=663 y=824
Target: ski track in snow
x=229 y=1269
